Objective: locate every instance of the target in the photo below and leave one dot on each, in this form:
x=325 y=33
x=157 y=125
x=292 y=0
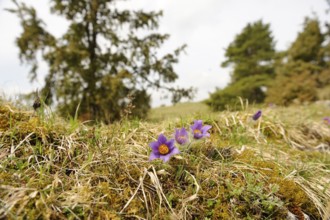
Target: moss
x=295 y=197
x=222 y=211
x=246 y=156
x=9 y=117
x=270 y=131
x=314 y=156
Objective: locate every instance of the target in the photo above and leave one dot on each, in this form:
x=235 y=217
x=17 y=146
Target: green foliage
x=248 y=88
x=302 y=70
x=254 y=196
x=295 y=83
x=105 y=56
x=252 y=52
x=308 y=43
x=252 y=55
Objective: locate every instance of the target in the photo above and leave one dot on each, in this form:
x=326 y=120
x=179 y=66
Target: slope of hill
x=274 y=168
x=180 y=110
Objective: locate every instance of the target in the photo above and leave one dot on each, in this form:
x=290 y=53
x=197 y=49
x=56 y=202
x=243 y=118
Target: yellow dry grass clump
x=272 y=168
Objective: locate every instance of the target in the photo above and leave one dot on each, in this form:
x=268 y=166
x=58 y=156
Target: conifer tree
x=307 y=46
x=251 y=55
x=299 y=73
x=252 y=52
x=106 y=55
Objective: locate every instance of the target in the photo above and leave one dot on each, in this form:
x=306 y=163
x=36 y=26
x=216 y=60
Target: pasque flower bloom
x=257 y=115
x=163 y=148
x=326 y=120
x=181 y=136
x=200 y=131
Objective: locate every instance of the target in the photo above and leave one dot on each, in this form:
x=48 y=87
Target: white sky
x=206 y=26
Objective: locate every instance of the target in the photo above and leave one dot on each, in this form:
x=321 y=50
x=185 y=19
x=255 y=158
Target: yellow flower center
x=163 y=149
x=197 y=131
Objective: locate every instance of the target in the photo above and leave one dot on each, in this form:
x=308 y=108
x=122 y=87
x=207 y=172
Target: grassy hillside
x=272 y=168
x=180 y=110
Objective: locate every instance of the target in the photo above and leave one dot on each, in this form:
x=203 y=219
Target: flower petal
x=165 y=158
x=197 y=125
x=162 y=139
x=174 y=151
x=198 y=135
x=176 y=134
x=257 y=115
x=183 y=132
x=153 y=156
x=170 y=144
x=206 y=134
x=205 y=128
x=154 y=146
x=184 y=140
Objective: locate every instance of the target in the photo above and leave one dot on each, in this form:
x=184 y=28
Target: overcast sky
x=206 y=26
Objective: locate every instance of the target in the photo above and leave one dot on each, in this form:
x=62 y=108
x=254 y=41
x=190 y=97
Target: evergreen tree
x=252 y=52
x=324 y=77
x=307 y=46
x=251 y=55
x=105 y=56
x=295 y=83
x=301 y=70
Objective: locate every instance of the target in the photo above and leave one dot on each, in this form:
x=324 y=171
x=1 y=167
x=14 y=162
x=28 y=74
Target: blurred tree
x=295 y=83
x=252 y=52
x=227 y=98
x=302 y=69
x=307 y=46
x=105 y=56
x=324 y=78
x=251 y=55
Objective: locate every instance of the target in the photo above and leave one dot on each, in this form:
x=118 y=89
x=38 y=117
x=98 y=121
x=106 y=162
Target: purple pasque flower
x=271 y=105
x=163 y=148
x=257 y=115
x=181 y=136
x=326 y=120
x=200 y=131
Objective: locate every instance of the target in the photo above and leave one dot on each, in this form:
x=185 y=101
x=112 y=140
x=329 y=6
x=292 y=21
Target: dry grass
x=180 y=110
x=54 y=169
